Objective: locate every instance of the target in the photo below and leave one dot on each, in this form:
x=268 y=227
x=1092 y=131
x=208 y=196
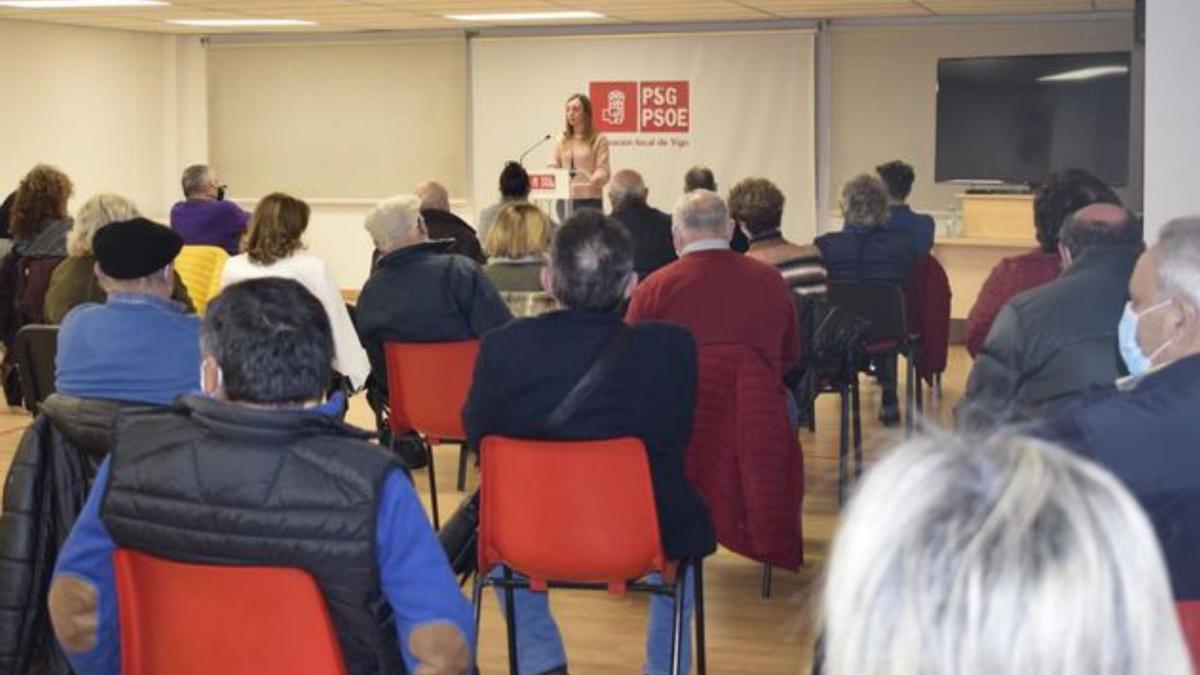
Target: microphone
x=533 y=147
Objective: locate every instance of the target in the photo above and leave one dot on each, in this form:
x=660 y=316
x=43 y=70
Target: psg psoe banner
x=739 y=103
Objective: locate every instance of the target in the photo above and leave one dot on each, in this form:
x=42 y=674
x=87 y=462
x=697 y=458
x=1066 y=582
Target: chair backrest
x=428 y=384
x=36 y=347
x=200 y=268
x=189 y=619
x=881 y=303
x=1189 y=620
x=568 y=510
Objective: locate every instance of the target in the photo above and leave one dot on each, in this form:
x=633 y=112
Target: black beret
x=132 y=249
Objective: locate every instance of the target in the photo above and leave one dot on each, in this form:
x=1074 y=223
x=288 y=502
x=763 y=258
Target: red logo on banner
x=542 y=181
x=614 y=106
x=649 y=107
x=665 y=107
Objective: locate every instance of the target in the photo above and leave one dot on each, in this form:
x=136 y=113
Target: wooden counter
x=969 y=260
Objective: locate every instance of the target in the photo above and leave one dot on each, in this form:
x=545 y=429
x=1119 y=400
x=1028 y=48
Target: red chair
x=188 y=619
x=1189 y=620
x=575 y=514
x=427 y=387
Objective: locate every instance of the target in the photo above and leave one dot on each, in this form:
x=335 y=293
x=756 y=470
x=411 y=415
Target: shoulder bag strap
x=589 y=382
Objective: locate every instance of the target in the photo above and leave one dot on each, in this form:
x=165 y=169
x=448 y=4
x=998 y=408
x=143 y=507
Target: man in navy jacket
x=1144 y=429
x=526 y=368
x=898 y=178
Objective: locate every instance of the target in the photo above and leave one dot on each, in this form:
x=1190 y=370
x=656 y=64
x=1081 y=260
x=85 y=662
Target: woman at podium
x=584 y=152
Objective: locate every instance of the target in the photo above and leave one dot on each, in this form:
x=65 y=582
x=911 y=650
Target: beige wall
x=1172 y=102
x=112 y=108
x=340 y=120
x=884 y=85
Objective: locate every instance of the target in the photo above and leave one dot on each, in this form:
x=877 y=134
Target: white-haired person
x=418 y=292
x=1008 y=555
x=74 y=281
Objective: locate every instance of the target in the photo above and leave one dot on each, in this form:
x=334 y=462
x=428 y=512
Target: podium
x=550 y=190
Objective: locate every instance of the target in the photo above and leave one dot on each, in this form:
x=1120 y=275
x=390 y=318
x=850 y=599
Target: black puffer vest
x=210 y=482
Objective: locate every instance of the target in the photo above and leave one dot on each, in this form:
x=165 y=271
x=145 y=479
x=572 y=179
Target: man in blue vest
x=290 y=486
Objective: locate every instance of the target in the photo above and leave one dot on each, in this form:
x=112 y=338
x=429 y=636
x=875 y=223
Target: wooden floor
x=746 y=633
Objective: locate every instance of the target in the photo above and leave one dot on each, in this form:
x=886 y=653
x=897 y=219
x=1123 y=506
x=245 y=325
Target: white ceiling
x=359 y=15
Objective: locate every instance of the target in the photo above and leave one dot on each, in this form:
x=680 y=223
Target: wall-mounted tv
x=1013 y=119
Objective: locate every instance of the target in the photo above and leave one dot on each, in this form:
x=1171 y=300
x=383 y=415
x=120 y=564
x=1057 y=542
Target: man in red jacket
x=743 y=318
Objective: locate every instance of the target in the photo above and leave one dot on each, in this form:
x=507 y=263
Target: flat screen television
x=1013 y=119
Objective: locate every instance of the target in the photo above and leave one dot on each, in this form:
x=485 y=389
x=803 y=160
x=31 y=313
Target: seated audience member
x=756 y=206
x=525 y=370
x=204 y=217
x=1061 y=195
x=1144 y=428
x=898 y=178
x=74 y=281
x=273 y=248
x=743 y=318
x=442 y=224
x=516 y=248
x=867 y=250
x=1007 y=556
x=702 y=178
x=1050 y=344
x=653 y=246
x=514 y=189
x=6 y=215
x=140 y=345
x=418 y=292
x=290 y=486
x=38 y=224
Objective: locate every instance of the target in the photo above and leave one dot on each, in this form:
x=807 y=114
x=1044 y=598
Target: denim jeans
x=540 y=647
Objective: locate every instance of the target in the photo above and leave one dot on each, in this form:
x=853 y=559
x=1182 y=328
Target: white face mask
x=1131 y=350
x=220 y=382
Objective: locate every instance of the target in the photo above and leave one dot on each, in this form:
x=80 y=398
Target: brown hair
x=41 y=197
x=757 y=204
x=589 y=127
x=275 y=228
x=520 y=231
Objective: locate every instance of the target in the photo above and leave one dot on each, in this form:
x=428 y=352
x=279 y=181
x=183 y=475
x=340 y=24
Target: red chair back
x=428 y=384
x=578 y=511
x=188 y=619
x=1189 y=620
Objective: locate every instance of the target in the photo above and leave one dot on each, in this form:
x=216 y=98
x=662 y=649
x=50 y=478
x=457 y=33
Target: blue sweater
x=136 y=347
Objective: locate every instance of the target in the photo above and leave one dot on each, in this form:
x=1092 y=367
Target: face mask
x=220 y=193
x=1135 y=359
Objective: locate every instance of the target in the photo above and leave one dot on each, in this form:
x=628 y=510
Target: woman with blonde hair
x=516 y=248
x=273 y=248
x=961 y=557
x=74 y=282
x=584 y=152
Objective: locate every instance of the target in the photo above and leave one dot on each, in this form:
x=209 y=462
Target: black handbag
x=459 y=536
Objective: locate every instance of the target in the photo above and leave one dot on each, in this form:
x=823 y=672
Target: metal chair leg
x=698 y=585
x=908 y=396
x=856 y=417
x=510 y=620
x=433 y=499
x=477 y=603
x=462 y=467
x=677 y=626
x=843 y=443
x=766 y=581
x=937 y=386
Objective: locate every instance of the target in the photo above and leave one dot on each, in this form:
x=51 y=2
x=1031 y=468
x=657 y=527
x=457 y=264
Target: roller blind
x=340 y=120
